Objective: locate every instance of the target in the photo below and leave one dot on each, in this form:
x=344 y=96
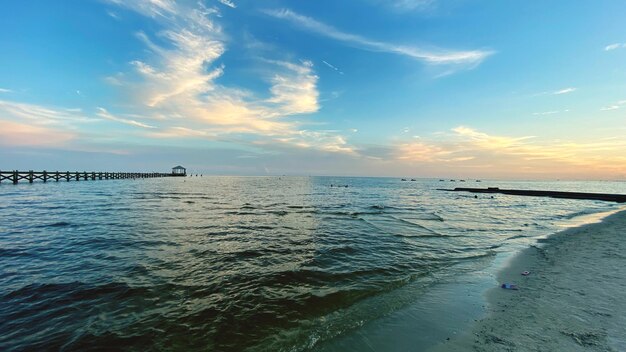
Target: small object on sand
x=509 y=286
x=525 y=273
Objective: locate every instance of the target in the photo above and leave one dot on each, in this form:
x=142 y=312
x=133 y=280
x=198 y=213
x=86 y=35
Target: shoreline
x=570 y=301
x=449 y=316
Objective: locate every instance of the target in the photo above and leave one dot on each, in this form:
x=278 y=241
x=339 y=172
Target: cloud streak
x=470 y=58
x=615 y=46
x=412 y=4
x=554 y=112
x=228 y=3
x=564 y=91
x=615 y=106
x=42 y=115
x=332 y=67
x=107 y=115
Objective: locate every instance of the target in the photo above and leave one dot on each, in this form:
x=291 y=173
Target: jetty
x=31 y=176
x=619 y=198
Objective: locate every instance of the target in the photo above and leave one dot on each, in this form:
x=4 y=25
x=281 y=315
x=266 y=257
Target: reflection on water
x=233 y=263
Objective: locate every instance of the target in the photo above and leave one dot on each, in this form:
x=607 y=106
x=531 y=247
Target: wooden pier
x=45 y=176
x=619 y=198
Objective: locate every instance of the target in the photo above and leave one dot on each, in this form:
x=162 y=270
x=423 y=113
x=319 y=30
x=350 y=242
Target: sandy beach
x=573 y=300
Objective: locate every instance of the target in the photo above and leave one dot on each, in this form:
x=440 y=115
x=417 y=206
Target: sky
x=402 y=88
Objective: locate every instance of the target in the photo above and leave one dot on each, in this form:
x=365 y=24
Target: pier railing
x=16 y=176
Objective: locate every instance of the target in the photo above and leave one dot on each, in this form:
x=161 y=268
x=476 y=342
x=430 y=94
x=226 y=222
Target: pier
x=30 y=176
x=619 y=198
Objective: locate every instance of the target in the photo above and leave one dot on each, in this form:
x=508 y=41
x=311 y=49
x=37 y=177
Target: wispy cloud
x=178 y=81
x=412 y=4
x=332 y=67
x=296 y=92
x=468 y=147
x=150 y=8
x=115 y=80
x=615 y=46
x=113 y=15
x=20 y=134
x=228 y=3
x=423 y=152
x=180 y=132
x=42 y=115
x=102 y=112
x=564 y=91
x=328 y=141
x=615 y=106
x=470 y=58
x=553 y=112
x=4 y=90
x=23 y=124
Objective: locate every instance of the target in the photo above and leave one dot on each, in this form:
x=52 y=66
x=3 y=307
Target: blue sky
x=383 y=88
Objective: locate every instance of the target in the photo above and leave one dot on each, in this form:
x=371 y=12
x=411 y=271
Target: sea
x=225 y=263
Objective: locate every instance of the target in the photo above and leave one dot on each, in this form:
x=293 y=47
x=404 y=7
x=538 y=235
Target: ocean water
x=248 y=263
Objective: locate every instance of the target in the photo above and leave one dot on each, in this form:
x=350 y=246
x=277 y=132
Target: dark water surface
x=245 y=263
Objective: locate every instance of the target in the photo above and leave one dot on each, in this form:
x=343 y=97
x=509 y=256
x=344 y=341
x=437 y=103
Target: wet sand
x=573 y=300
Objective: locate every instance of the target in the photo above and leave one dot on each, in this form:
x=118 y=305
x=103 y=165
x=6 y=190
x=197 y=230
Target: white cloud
x=228 y=3
x=296 y=92
x=564 y=91
x=3 y=90
x=113 y=15
x=554 y=112
x=106 y=115
x=615 y=106
x=178 y=82
x=614 y=46
x=470 y=58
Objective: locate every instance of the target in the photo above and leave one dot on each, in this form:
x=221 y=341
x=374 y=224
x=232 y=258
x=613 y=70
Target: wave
x=419 y=226
x=578 y=213
x=58 y=224
x=14 y=253
x=515 y=237
x=487 y=254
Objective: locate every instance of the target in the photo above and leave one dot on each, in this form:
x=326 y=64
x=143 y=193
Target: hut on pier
x=179 y=171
